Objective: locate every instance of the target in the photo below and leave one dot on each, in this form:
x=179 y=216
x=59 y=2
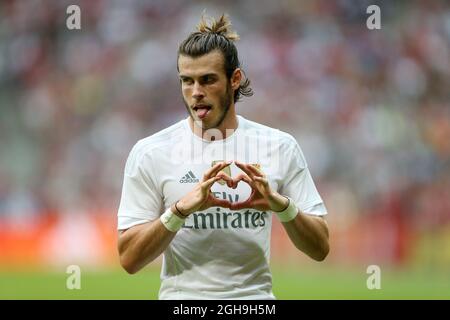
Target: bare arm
x=309 y=234
x=141 y=244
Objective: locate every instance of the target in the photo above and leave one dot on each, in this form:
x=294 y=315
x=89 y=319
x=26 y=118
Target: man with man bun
x=203 y=192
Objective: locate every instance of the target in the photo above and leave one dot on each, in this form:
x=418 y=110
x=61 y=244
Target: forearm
x=141 y=244
x=309 y=234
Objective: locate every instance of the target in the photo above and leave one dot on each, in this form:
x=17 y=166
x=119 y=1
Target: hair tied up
x=220 y=27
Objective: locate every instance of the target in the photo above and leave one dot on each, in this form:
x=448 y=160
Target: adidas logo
x=189 y=178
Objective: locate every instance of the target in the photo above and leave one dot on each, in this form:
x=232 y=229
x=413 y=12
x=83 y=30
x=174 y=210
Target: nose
x=197 y=92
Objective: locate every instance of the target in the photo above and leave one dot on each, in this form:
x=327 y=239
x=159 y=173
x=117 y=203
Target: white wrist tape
x=171 y=221
x=289 y=213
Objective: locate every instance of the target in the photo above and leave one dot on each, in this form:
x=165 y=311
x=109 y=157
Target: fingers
x=226 y=178
x=208 y=183
x=249 y=169
x=254 y=174
x=250 y=175
x=242 y=177
x=263 y=180
x=220 y=203
x=244 y=168
x=240 y=205
x=255 y=170
x=263 y=185
x=211 y=172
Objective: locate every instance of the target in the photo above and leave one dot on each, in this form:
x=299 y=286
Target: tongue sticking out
x=201 y=112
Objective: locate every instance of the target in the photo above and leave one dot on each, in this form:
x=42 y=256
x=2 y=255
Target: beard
x=224 y=107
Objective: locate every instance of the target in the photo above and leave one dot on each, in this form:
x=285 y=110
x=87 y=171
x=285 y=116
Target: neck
x=223 y=131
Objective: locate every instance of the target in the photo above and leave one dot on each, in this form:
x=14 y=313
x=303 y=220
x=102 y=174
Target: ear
x=236 y=78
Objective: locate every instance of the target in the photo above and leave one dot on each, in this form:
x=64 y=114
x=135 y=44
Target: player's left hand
x=262 y=198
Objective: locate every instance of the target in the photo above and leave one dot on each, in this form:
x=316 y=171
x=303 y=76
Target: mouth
x=202 y=110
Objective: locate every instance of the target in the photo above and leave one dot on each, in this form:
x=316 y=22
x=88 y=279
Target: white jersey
x=218 y=253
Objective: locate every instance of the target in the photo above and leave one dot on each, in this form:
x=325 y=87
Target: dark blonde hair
x=217 y=36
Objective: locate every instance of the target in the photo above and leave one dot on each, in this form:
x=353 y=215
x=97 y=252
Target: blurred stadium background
x=370 y=109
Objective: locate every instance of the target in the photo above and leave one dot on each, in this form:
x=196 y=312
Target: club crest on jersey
x=225 y=170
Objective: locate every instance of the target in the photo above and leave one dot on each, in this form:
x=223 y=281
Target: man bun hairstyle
x=217 y=35
x=221 y=27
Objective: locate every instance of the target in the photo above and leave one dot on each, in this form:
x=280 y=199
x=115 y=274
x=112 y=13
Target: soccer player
x=204 y=190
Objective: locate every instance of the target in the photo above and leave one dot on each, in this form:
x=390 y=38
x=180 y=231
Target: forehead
x=211 y=62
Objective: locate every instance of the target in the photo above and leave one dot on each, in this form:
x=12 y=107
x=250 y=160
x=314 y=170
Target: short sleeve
x=141 y=200
x=297 y=183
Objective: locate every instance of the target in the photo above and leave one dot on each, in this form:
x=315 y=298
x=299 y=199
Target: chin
x=205 y=125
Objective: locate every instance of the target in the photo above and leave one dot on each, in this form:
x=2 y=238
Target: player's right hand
x=200 y=198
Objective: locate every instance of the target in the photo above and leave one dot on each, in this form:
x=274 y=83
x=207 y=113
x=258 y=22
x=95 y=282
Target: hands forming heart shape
x=262 y=197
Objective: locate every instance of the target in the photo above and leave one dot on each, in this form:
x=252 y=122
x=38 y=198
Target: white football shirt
x=218 y=253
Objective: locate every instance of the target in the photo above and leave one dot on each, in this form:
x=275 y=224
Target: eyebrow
x=182 y=76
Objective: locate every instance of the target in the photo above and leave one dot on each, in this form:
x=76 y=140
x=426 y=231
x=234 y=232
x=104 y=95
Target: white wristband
x=289 y=213
x=171 y=221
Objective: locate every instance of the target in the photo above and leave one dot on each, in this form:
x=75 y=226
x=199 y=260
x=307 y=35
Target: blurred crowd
x=370 y=108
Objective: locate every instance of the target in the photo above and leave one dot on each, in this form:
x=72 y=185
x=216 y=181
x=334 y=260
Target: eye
x=208 y=79
x=186 y=81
